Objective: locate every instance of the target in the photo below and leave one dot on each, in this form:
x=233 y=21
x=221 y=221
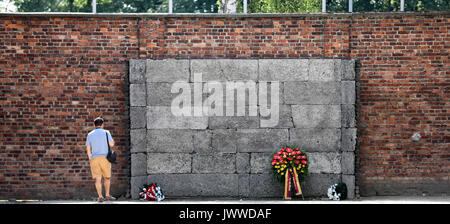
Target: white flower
x=332 y=194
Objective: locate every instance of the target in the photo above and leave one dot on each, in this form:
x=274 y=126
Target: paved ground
x=363 y=200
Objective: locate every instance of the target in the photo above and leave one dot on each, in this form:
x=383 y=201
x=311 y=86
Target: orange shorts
x=100 y=166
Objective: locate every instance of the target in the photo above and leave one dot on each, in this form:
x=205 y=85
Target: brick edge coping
x=219 y=15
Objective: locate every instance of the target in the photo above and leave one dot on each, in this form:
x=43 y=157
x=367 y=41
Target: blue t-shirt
x=97 y=140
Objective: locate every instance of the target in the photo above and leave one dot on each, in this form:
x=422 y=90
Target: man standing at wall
x=97 y=149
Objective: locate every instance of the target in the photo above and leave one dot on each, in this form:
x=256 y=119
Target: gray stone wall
x=223 y=156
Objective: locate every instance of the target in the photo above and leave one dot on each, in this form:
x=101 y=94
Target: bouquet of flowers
x=151 y=192
x=337 y=192
x=290 y=165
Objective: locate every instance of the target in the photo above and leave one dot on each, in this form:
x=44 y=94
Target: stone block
x=349 y=180
x=348 y=142
x=229 y=156
x=348 y=69
x=214 y=163
x=261 y=140
x=137 y=71
x=138 y=140
x=159 y=94
x=197 y=185
x=284 y=117
x=136 y=184
x=324 y=162
x=263 y=186
x=170 y=140
x=138 y=164
x=224 y=140
x=218 y=122
x=225 y=69
x=348 y=118
x=317 y=185
x=283 y=70
x=138 y=117
x=260 y=163
x=202 y=141
x=161 y=117
x=348 y=94
x=348 y=163
x=316 y=116
x=323 y=70
x=241 y=93
x=316 y=140
x=138 y=95
x=244 y=185
x=167 y=70
x=168 y=163
x=242 y=163
x=312 y=92
x=265 y=91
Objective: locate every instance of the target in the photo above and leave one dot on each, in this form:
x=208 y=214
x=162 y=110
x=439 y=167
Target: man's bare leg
x=107 y=183
x=98 y=186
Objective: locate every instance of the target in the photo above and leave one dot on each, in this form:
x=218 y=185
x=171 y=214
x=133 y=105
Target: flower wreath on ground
x=151 y=192
x=337 y=192
x=290 y=165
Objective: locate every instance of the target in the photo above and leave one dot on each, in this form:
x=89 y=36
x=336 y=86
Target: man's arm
x=111 y=140
x=88 y=150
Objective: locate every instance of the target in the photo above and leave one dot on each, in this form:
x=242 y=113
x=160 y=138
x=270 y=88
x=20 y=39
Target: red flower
x=274 y=162
x=304 y=162
x=289 y=158
x=297 y=162
x=282 y=149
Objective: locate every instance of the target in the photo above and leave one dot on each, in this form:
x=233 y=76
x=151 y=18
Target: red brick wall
x=58 y=73
x=56 y=76
x=404 y=88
